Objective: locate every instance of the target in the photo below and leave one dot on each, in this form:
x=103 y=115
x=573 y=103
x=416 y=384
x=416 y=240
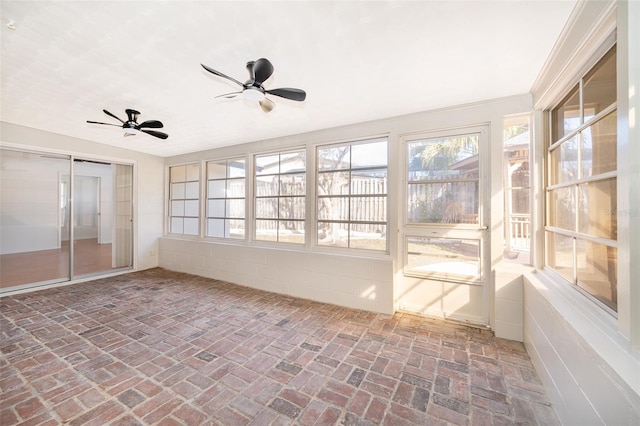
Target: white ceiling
x=65 y=61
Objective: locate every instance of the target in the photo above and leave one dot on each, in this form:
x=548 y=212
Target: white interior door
x=444 y=238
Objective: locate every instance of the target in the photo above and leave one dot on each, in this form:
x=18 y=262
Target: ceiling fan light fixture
x=130 y=131
x=253 y=89
x=253 y=94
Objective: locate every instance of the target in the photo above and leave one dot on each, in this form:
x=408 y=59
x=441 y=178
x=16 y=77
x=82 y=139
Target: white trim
x=588 y=179
x=590 y=25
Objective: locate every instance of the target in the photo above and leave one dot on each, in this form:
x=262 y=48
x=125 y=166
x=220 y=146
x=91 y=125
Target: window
x=581 y=231
x=184 y=199
x=280 y=189
x=443 y=180
x=449 y=259
x=517 y=189
x=225 y=198
x=443 y=237
x=352 y=195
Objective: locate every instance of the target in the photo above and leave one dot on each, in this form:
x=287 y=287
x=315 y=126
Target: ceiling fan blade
x=99 y=122
x=289 y=93
x=229 y=95
x=262 y=70
x=266 y=105
x=219 y=74
x=112 y=115
x=156 y=134
x=152 y=124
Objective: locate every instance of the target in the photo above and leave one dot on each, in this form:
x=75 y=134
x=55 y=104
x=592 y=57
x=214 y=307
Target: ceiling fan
x=253 y=90
x=132 y=127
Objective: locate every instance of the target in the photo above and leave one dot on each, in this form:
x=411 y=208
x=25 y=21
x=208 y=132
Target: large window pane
x=334 y=158
x=600 y=85
x=368 y=236
x=347 y=174
x=368 y=209
x=293 y=162
x=225 y=197
x=215 y=208
x=178 y=191
x=280 y=186
x=566 y=117
x=235 y=188
x=333 y=234
x=266 y=208
x=560 y=254
x=333 y=208
x=519 y=199
x=562 y=208
x=599 y=146
x=333 y=183
x=267 y=186
x=216 y=169
x=216 y=189
x=293 y=184
x=372 y=181
x=191 y=226
x=564 y=161
x=445 y=158
x=266 y=230
x=369 y=155
x=291 y=208
x=236 y=228
x=177 y=208
x=598 y=202
x=443 y=257
x=191 y=208
x=291 y=231
x=453 y=202
x=267 y=164
x=235 y=209
x=597 y=271
x=184 y=199
x=215 y=227
x=36 y=209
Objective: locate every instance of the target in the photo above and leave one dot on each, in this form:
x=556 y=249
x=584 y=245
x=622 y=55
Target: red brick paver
x=166 y=348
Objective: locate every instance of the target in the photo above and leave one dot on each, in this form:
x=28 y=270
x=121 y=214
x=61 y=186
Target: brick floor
x=166 y=348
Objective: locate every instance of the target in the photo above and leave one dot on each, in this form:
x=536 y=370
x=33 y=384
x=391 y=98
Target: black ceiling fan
x=252 y=89
x=132 y=127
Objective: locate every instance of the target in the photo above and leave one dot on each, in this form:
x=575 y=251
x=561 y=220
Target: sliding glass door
x=62 y=218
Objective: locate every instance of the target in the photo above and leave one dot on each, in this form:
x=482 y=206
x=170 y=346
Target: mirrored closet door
x=62 y=218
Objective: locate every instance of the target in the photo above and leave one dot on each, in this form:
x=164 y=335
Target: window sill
x=596 y=326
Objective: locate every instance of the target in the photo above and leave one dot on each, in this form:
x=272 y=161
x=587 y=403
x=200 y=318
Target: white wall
x=148 y=174
x=347 y=278
x=355 y=282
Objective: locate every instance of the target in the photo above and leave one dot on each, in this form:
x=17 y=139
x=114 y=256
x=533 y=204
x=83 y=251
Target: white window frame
x=177 y=195
x=350 y=195
x=575 y=183
x=226 y=217
x=255 y=218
